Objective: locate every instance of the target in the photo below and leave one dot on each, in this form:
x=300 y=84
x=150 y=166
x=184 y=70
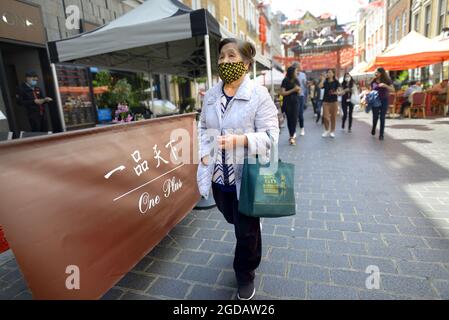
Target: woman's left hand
x=229 y=141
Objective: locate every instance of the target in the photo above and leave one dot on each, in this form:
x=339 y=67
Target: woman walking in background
x=289 y=90
x=332 y=89
x=346 y=104
x=319 y=97
x=383 y=85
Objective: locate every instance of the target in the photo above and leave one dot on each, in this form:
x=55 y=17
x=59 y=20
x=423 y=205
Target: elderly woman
x=238 y=117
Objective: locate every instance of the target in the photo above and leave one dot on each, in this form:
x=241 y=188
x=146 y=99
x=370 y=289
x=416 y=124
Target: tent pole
x=208 y=62
x=255 y=72
x=272 y=80
x=58 y=96
x=150 y=75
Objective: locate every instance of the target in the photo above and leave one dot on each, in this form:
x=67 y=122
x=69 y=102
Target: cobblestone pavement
x=360 y=203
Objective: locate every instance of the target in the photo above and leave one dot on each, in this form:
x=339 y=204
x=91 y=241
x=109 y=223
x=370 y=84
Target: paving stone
x=343 y=226
x=325 y=234
x=135 y=281
x=348 y=278
x=442 y=288
x=385 y=265
x=164 y=268
x=171 y=288
x=164 y=253
x=329 y=292
x=210 y=234
x=423 y=269
x=308 y=244
x=185 y=231
x=407 y=285
x=272 y=268
x=194 y=257
x=327 y=260
x=200 y=274
x=379 y=228
x=275 y=241
x=283 y=288
x=200 y=292
x=222 y=261
x=404 y=241
x=392 y=252
x=218 y=247
x=204 y=223
x=432 y=255
x=345 y=247
x=435 y=243
x=289 y=255
x=290 y=231
x=180 y=242
x=112 y=294
x=136 y=296
x=309 y=273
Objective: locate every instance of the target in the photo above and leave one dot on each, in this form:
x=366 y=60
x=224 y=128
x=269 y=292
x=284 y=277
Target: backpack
x=372 y=100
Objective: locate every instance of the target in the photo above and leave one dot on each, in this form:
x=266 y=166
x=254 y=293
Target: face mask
x=229 y=72
x=32 y=83
x=348 y=79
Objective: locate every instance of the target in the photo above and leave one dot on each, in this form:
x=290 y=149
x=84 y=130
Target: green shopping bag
x=267 y=196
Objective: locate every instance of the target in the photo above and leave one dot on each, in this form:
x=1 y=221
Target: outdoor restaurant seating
x=418 y=104
x=392 y=104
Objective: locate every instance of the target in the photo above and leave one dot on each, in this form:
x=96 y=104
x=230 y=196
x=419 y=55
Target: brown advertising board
x=80 y=209
x=21 y=21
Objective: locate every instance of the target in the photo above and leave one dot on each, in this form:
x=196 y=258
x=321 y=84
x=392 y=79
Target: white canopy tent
x=159 y=36
x=267 y=78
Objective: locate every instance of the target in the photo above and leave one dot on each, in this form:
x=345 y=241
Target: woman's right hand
x=205 y=160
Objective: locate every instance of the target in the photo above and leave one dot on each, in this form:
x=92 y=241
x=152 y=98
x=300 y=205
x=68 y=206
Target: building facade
x=430 y=17
x=398 y=20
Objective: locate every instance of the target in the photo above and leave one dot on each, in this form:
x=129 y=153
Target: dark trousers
x=345 y=105
x=302 y=101
x=319 y=105
x=248 y=251
x=291 y=110
x=380 y=112
x=404 y=105
x=37 y=121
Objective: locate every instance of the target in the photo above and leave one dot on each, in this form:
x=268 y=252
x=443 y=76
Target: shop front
x=22 y=49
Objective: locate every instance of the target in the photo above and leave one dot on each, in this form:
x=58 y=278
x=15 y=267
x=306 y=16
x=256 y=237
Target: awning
x=412 y=51
x=358 y=70
x=161 y=36
x=265 y=78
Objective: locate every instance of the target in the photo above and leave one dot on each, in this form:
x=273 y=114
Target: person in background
x=383 y=85
x=312 y=95
x=332 y=89
x=289 y=90
x=320 y=97
x=346 y=104
x=302 y=79
x=29 y=95
x=413 y=87
x=245 y=121
x=440 y=88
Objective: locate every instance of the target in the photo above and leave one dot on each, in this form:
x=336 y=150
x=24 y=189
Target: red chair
x=418 y=103
x=392 y=104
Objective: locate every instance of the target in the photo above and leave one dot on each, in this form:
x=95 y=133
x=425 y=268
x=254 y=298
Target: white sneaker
x=325 y=134
x=302 y=132
x=294 y=136
x=332 y=135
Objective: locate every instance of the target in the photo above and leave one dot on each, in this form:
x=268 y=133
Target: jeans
x=380 y=112
x=248 y=252
x=345 y=105
x=301 y=100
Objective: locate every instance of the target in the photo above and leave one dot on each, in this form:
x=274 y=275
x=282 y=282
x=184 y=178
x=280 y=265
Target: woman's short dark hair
x=246 y=49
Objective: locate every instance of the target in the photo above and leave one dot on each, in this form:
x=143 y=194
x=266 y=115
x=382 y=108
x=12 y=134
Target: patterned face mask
x=229 y=72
